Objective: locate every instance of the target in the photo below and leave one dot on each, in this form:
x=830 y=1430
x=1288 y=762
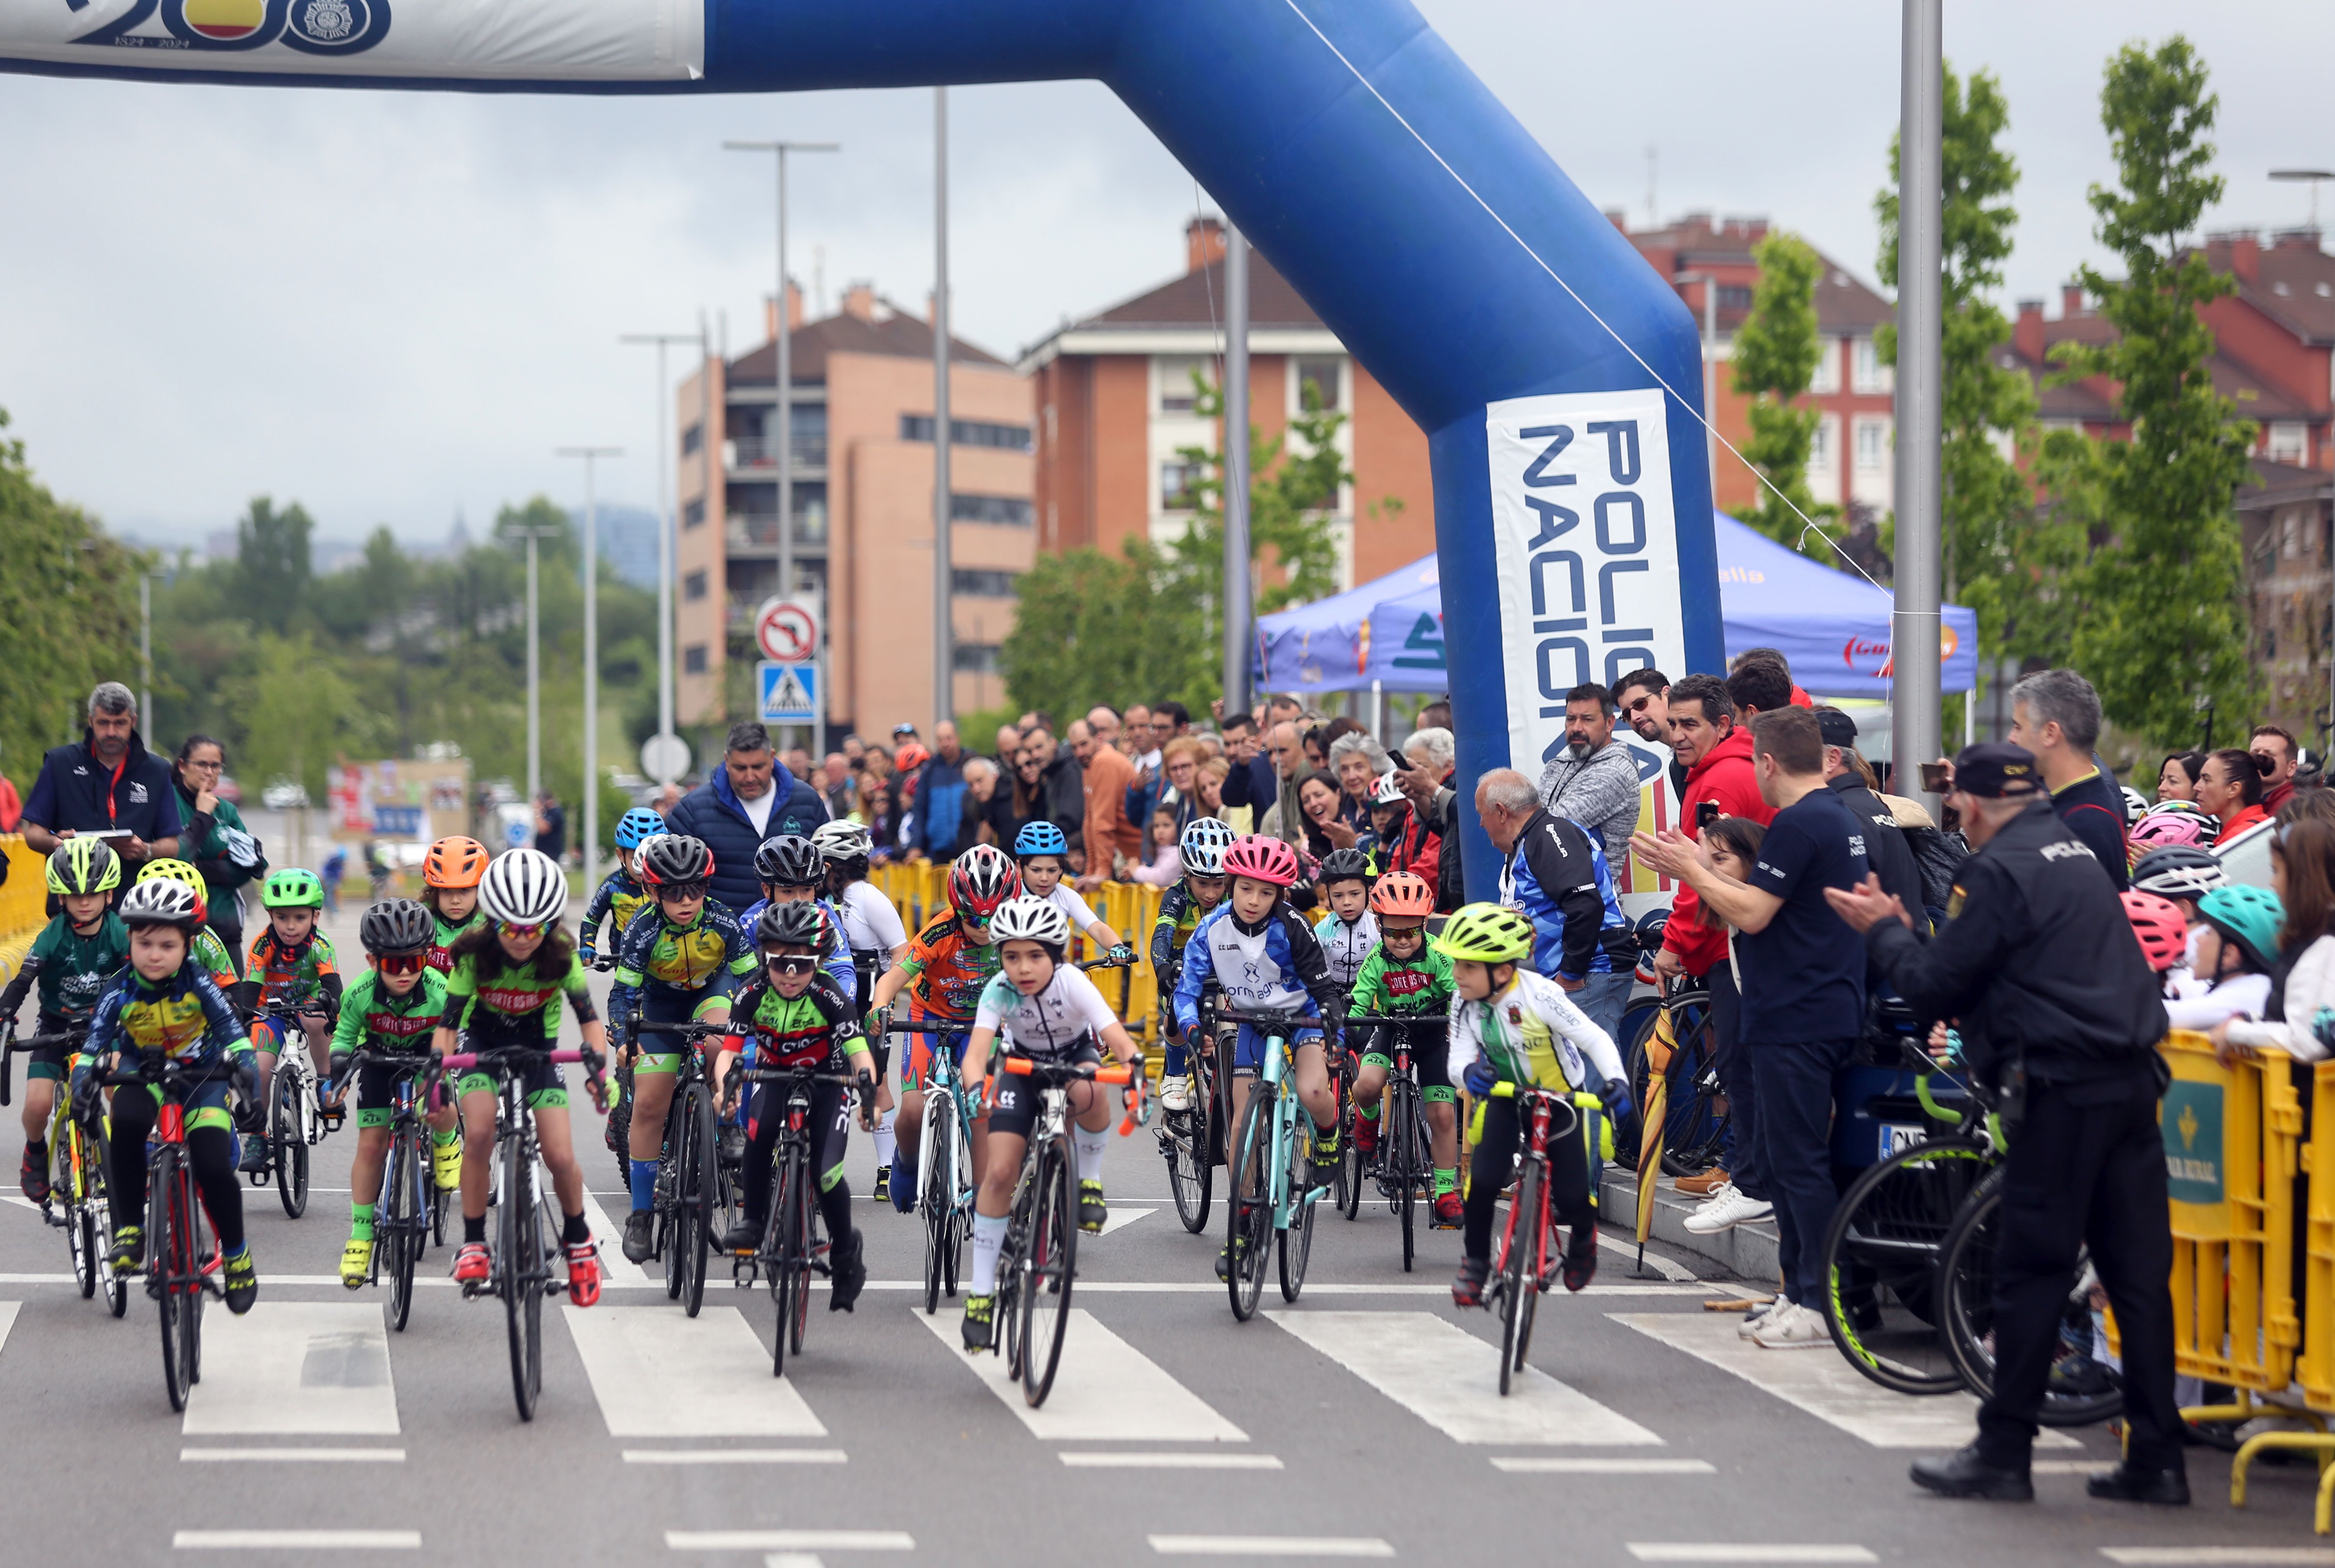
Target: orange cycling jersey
x=946 y=968
x=287 y=975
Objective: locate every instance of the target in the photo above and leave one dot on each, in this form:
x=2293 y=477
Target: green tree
x=1775 y=355
x=1094 y=628
x=2164 y=623
x=1293 y=495
x=271 y=547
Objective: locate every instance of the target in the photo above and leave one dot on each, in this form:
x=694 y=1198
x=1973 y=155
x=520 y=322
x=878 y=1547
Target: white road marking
x=20 y=1201
x=1270 y=1546
x=1450 y=1379
x=8 y=1310
x=1746 y=1551
x=1824 y=1386
x=734 y=1457
x=2068 y=1467
x=1548 y=1464
x=2172 y=1557
x=792 y=1560
x=294 y=1367
x=659 y=1373
x=1195 y=1459
x=297 y=1540
x=1105 y=1389
x=292 y=1456
x=1668 y=1268
x=790 y=1540
x=615 y=1269
x=1119 y=1217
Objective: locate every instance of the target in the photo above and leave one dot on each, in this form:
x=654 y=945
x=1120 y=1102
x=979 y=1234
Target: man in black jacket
x=1884 y=845
x=2058 y=1010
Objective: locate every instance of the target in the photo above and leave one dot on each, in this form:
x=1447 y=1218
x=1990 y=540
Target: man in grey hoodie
x=1593 y=780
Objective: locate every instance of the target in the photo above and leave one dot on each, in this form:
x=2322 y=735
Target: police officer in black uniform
x=2038 y=965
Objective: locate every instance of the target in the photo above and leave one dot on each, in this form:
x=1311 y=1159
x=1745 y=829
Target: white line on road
x=1200 y=1459
x=2173 y=1556
x=20 y=1201
x=1547 y=1464
x=1668 y=1268
x=1450 y=1379
x=659 y=1373
x=1119 y=1217
x=290 y=1455
x=615 y=1269
x=789 y=1541
x=297 y=1540
x=1270 y=1546
x=1105 y=1389
x=734 y=1457
x=2068 y=1467
x=8 y=1310
x=296 y=1367
x=1746 y=1551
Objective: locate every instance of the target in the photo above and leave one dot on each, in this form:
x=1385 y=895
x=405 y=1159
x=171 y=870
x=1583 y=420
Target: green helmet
x=293 y=887
x=2249 y=916
x=1486 y=933
x=84 y=865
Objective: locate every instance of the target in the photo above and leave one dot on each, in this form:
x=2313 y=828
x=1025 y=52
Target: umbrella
x=1660 y=1044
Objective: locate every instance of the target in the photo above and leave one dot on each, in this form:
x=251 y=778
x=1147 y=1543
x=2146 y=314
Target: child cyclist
x=163 y=1005
x=798 y=1017
x=1510 y=1024
x=1348 y=933
x=1405 y=975
x=621 y=893
x=512 y=972
x=71 y=959
x=949 y=962
x=877 y=940
x=449 y=886
x=1263 y=959
x=1181 y=908
x=207 y=953
x=1047 y=1010
x=392 y=1008
x=678 y=964
x=290 y=967
x=1043 y=852
x=791 y=870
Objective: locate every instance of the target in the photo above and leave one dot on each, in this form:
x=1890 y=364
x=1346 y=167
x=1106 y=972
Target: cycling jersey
x=1067 y=1012
x=1066 y=898
x=1345 y=943
x=185 y=1017
x=1390 y=984
x=71 y=969
x=619 y=898
x=870 y=924
x=1531 y=1035
x=372 y=1019
x=834 y=957
x=503 y=993
x=820 y=1026
x=1180 y=914
x=702 y=960
x=1276 y=967
x=440 y=956
x=210 y=956
x=283 y=975
x=947 y=969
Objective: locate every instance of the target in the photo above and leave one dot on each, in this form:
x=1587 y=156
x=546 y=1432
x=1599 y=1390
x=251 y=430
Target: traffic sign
x=790 y=692
x=787 y=630
x=665 y=757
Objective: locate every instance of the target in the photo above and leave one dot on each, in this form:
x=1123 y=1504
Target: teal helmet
x=2249 y=916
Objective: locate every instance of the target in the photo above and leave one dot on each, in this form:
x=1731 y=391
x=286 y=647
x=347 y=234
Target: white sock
x=885 y=1142
x=1090 y=1146
x=988 y=1240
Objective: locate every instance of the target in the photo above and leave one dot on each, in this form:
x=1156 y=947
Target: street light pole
x=532 y=532
x=1235 y=589
x=944 y=571
x=1913 y=650
x=587 y=841
x=665 y=517
x=1709 y=355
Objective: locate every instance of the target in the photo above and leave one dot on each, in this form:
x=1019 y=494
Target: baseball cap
x=900 y=730
x=1837 y=728
x=1995 y=768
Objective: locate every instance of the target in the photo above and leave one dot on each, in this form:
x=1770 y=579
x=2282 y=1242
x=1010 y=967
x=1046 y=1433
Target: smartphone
x=1937 y=778
x=1705 y=813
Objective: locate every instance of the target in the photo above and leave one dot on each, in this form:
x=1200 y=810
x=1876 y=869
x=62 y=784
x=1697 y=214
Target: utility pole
x=587 y=840
x=943 y=654
x=1915 y=705
x=1235 y=591
x=532 y=532
x=666 y=514
x=1709 y=357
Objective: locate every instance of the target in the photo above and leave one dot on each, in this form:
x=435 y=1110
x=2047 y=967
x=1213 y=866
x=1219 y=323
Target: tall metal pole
x=533 y=659
x=146 y=658
x=1235 y=591
x=1914 y=626
x=944 y=656
x=665 y=509
x=588 y=840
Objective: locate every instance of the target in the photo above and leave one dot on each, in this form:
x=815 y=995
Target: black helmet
x=797 y=924
x=397 y=925
x=1343 y=866
x=790 y=861
x=675 y=860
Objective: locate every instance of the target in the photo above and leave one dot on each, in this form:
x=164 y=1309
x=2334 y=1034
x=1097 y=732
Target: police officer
x=2059 y=1010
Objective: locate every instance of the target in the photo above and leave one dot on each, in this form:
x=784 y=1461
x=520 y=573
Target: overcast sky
x=393 y=306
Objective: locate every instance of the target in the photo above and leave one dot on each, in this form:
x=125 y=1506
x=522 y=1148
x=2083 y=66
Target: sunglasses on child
x=791 y=964
x=517 y=933
x=402 y=962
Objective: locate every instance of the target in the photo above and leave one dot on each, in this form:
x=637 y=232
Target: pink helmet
x=1262 y=859
x=2161 y=829
x=2163 y=934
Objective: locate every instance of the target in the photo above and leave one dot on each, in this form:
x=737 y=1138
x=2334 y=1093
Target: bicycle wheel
x=1191 y=1175
x=400 y=1225
x=1296 y=1239
x=937 y=1199
x=1249 y=1205
x=790 y=1263
x=620 y=1129
x=1401 y=1135
x=1519 y=1282
x=2080 y=1390
x=1350 y=1172
x=163 y=1247
x=200 y=1253
x=288 y=1139
x=700 y=1193
x=96 y=1150
x=807 y=1250
x=1046 y=1271
x=1880 y=1263
x=519 y=1251
x=1694 y=1128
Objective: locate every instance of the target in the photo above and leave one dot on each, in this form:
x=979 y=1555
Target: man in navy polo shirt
x=106 y=783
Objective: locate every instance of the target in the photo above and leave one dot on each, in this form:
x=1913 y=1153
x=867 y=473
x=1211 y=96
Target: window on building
x=983 y=584
x=1177 y=477
x=1825 y=381
x=1872 y=445
x=1866 y=372
x=1011 y=511
x=1178 y=396
x=968 y=433
x=974 y=658
x=693 y=514
x=1321 y=376
x=691 y=438
x=1734 y=296
x=2289 y=441
x=692 y=585
x=693 y=658
x=1824 y=448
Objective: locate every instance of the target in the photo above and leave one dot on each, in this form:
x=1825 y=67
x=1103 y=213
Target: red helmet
x=2164 y=934
x=984 y=877
x=1262 y=859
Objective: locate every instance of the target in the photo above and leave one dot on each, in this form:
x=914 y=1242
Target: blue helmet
x=636 y=825
x=1039 y=838
x=1203 y=845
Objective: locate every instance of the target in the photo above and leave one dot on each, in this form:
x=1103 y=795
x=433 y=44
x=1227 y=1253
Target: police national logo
x=232 y=26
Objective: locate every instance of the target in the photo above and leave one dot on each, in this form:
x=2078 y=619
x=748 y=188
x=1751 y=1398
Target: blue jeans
x=1795 y=1133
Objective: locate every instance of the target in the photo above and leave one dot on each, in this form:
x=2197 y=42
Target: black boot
x=1965 y=1474
x=744 y=1236
x=848 y=1274
x=640 y=1235
x=2131 y=1483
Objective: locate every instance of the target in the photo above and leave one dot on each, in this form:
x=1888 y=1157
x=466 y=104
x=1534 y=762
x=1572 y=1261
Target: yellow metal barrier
x=2314 y=1368
x=24 y=904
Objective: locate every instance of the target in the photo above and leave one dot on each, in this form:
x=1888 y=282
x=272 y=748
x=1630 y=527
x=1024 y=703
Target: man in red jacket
x=1719 y=780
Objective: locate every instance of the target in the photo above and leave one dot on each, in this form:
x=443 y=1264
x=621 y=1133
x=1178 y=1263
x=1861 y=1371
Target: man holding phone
x=107 y=784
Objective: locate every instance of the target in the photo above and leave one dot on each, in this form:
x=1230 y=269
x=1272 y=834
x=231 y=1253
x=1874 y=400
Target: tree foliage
x=1775 y=355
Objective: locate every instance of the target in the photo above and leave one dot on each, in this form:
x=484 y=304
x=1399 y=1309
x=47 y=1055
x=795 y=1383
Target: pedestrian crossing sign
x=789 y=693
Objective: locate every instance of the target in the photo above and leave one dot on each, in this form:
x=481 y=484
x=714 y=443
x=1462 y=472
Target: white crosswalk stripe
x=658 y=1372
x=294 y=1367
x=1449 y=1379
x=1105 y=1391
x=8 y=1310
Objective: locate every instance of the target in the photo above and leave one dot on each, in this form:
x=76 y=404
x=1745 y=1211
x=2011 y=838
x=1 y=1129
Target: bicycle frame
x=1277 y=1076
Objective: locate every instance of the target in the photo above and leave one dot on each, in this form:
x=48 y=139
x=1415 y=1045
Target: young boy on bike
x=289 y=977
x=1514 y=1025
x=71 y=960
x=799 y=1017
x=877 y=941
x=512 y=972
x=948 y=963
x=449 y=886
x=1047 y=1010
x=1263 y=959
x=393 y=1007
x=1404 y=976
x=677 y=964
x=162 y=1004
x=210 y=955
x=791 y=870
x=1040 y=850
x=1181 y=908
x=1349 y=932
x=620 y=894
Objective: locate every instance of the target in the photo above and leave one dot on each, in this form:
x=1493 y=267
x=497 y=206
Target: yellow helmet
x=1486 y=933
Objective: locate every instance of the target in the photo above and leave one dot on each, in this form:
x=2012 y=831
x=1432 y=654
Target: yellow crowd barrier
x=24 y=904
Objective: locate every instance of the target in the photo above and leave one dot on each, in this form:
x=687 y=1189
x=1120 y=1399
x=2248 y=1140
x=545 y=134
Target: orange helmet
x=455 y=861
x=1403 y=892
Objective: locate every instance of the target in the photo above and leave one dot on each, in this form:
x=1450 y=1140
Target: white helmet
x=523 y=888
x=1203 y=845
x=1387 y=792
x=2136 y=806
x=1028 y=919
x=841 y=840
x=161 y=901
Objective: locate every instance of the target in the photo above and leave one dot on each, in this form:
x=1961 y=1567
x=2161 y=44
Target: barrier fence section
x=23 y=903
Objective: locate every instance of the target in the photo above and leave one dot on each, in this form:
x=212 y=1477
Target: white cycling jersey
x=870 y=924
x=1066 y=1010
x=1065 y=898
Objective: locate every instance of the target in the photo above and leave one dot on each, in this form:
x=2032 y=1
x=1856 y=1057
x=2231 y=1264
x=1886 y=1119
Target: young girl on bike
x=620 y=894
x=393 y=1007
x=449 y=886
x=71 y=960
x=801 y=1018
x=678 y=964
x=512 y=973
x=290 y=976
x=162 y=1004
x=877 y=941
x=1181 y=909
x=1403 y=974
x=1040 y=851
x=1046 y=1009
x=1510 y=1024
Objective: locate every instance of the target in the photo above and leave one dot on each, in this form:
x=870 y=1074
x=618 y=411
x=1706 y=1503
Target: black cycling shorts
x=1018 y=1098
x=1429 y=1041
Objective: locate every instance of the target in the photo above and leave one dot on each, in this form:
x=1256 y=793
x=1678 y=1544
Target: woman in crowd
x=2302 y=980
x=215 y=840
x=2177 y=780
x=2230 y=786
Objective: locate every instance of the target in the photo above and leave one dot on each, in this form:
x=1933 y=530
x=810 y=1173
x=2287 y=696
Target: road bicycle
x=1404 y=1167
x=79 y=1202
x=1192 y=1140
x=692 y=1197
x=791 y=1249
x=944 y=1186
x=1038 y=1260
x=1695 y=1115
x=297 y=1121
x=412 y=1207
x=182 y=1255
x=1273 y=1192
x=527 y=1216
x=1522 y=1273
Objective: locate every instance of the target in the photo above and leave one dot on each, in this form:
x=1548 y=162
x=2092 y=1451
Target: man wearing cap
x=2037 y=966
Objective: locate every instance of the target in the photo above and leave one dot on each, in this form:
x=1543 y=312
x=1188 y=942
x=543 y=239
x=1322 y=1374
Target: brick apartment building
x=863 y=530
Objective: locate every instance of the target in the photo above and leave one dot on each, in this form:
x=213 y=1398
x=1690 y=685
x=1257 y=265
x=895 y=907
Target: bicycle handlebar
x=164 y=1069
x=1026 y=1067
x=1286 y=1019
x=1394 y=1018
x=457 y=1061
x=30 y=1043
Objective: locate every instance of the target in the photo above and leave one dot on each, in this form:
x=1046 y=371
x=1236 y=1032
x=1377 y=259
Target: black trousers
x=2087 y=1167
x=1743 y=1154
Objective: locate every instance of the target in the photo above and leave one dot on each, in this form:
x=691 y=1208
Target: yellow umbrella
x=1660 y=1045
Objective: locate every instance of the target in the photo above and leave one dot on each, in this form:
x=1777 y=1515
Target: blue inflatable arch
x=1431 y=233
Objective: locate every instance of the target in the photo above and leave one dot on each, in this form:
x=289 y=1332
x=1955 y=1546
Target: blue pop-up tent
x=1831 y=627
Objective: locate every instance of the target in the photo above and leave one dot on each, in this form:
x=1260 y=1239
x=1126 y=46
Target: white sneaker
x=1760 y=1315
x=1716 y=1193
x=1792 y=1328
x=1724 y=1213
x=1175 y=1092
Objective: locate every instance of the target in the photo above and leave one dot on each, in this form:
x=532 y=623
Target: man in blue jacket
x=107 y=782
x=1557 y=876
x=749 y=799
x=940 y=797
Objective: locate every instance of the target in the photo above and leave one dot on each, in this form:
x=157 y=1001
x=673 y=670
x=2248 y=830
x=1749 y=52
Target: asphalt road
x=1362 y=1421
